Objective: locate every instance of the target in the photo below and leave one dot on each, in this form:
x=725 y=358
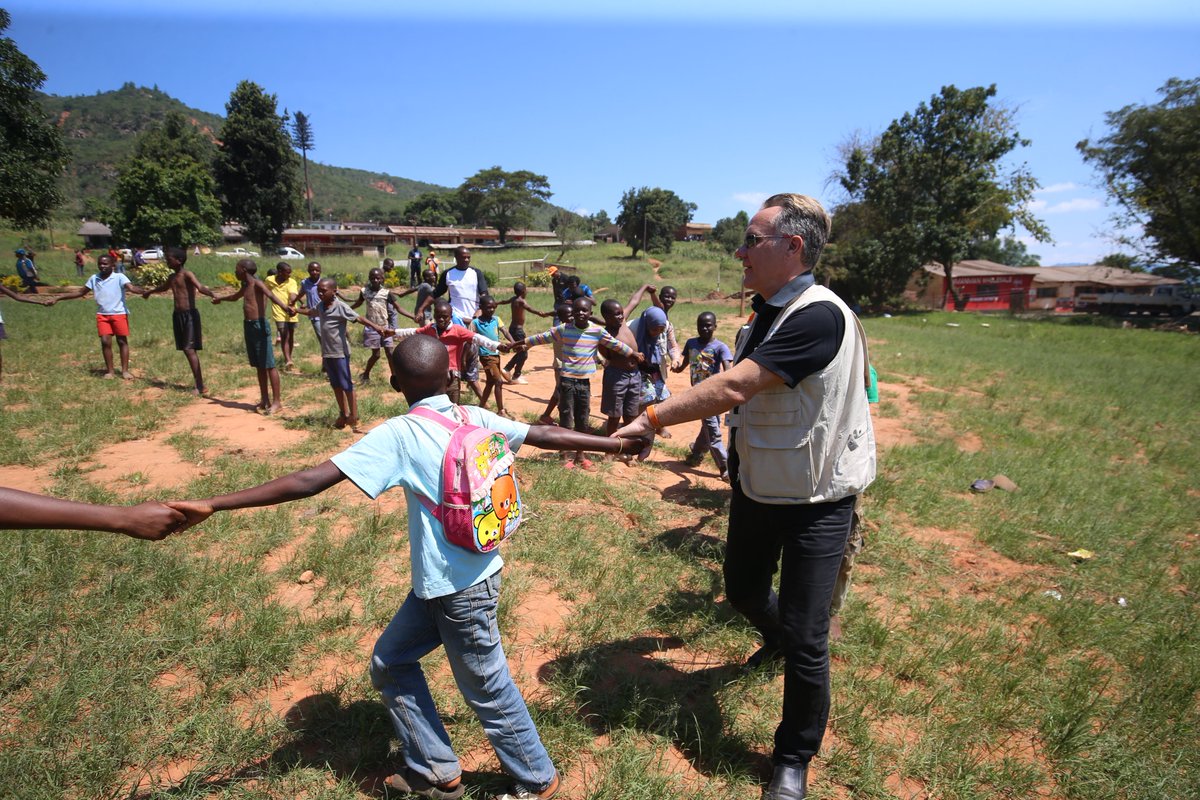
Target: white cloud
x=753 y=199
x=1071 y=206
x=1065 y=207
x=1058 y=187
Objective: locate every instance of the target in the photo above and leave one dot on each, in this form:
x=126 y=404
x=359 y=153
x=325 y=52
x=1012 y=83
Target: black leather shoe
x=762 y=657
x=788 y=783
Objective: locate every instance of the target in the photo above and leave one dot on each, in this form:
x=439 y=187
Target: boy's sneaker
x=520 y=381
x=412 y=784
x=521 y=793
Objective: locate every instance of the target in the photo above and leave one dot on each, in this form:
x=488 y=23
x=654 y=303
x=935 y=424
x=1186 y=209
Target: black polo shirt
x=805 y=344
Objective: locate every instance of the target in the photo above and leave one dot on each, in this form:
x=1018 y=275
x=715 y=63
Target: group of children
x=636 y=354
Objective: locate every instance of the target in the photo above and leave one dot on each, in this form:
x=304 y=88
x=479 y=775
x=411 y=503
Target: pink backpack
x=481 y=504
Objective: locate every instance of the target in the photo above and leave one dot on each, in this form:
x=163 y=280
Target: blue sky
x=718 y=104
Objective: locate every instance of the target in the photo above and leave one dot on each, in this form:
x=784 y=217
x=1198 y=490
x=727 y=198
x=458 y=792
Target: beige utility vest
x=813 y=443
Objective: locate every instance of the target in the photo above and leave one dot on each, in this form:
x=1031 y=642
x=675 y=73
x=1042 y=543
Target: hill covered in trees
x=100 y=131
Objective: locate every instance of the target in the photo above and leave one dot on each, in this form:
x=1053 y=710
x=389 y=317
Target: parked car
x=237 y=252
x=153 y=254
x=288 y=253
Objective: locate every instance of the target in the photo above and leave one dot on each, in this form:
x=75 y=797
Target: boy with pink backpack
x=455 y=466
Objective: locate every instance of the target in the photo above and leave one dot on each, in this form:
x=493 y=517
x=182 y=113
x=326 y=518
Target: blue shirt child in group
x=406 y=452
x=705 y=356
x=705 y=360
x=109 y=292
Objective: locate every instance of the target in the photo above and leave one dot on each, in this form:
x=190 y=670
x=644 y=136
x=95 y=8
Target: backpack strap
x=440 y=418
x=447 y=471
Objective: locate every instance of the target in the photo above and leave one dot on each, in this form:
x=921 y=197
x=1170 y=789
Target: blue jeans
x=465 y=624
x=709 y=439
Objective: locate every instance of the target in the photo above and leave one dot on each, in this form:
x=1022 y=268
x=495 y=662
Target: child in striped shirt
x=580 y=339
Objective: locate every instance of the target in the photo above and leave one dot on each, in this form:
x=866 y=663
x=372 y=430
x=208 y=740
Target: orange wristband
x=652 y=415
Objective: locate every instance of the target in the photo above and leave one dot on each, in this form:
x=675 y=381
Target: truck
x=1175 y=300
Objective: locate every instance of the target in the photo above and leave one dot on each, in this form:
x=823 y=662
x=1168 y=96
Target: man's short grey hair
x=802 y=216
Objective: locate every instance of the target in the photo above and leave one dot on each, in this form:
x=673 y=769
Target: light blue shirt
x=407 y=451
x=110 y=293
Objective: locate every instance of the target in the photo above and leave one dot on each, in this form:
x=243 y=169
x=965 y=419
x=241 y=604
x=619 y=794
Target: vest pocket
x=778 y=456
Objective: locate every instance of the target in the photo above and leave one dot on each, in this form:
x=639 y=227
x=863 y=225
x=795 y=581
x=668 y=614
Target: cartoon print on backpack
x=497 y=521
x=488 y=452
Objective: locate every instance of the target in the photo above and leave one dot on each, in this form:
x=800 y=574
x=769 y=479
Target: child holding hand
x=455 y=593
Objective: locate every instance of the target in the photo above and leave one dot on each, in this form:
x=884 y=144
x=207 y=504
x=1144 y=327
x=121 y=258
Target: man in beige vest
x=801 y=450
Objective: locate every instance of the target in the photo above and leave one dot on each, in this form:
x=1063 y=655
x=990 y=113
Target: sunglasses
x=753 y=239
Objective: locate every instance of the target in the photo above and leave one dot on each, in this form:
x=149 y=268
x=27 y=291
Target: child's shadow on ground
x=232 y=404
x=352 y=741
x=652 y=684
x=685 y=492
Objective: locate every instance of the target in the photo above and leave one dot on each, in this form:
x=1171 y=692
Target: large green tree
x=571 y=229
x=1123 y=261
x=32 y=152
x=1003 y=250
x=937 y=180
x=649 y=218
x=855 y=262
x=256 y=168
x=1150 y=165
x=434 y=209
x=599 y=221
x=729 y=232
x=504 y=200
x=165 y=192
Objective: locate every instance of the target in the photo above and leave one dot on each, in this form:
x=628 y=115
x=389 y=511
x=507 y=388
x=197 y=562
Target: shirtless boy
x=516 y=330
x=184 y=284
x=260 y=348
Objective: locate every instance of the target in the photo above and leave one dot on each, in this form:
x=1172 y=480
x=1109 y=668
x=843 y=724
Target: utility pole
x=645 y=244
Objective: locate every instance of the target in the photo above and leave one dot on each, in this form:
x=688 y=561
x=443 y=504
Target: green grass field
x=979 y=660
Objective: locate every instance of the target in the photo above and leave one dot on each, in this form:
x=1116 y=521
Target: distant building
x=371 y=239
x=410 y=235
x=340 y=239
x=1061 y=288
x=988 y=286
x=693 y=232
x=96 y=235
x=981 y=285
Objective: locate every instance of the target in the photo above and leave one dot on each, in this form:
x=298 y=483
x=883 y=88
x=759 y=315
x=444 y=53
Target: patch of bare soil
x=27 y=479
x=231 y=425
x=141 y=464
x=977 y=569
x=891 y=431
